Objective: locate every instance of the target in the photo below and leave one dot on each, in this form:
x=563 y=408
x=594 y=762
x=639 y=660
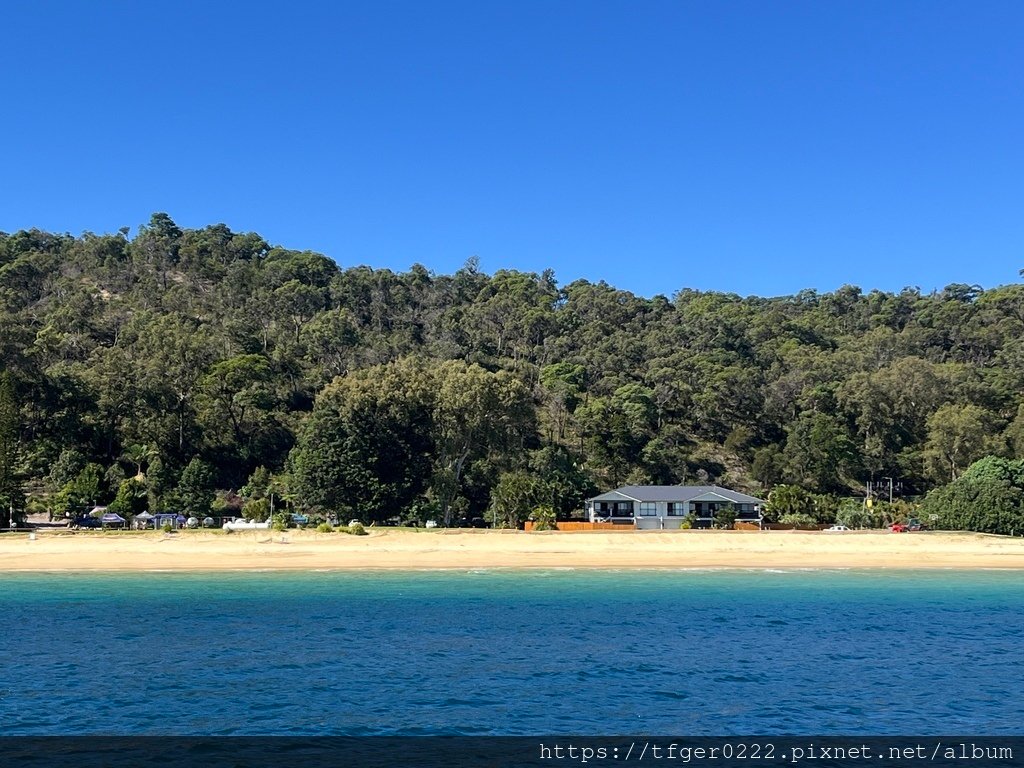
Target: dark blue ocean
x=514 y=652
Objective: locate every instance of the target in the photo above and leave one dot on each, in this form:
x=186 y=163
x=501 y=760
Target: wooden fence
x=581 y=525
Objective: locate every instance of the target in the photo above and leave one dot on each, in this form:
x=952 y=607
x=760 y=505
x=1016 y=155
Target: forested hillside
x=157 y=370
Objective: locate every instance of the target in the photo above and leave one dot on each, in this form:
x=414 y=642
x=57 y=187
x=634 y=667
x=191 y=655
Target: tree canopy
x=380 y=394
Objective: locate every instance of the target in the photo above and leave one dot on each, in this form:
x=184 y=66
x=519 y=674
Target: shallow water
x=514 y=652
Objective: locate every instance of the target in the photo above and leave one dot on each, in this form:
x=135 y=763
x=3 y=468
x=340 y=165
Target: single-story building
x=665 y=506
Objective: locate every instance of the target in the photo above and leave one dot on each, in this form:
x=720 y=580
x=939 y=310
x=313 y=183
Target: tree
x=258 y=485
x=475 y=412
x=365 y=450
x=12 y=494
x=988 y=497
x=1014 y=434
x=958 y=435
x=131 y=498
x=788 y=500
x=562 y=481
x=138 y=455
x=238 y=393
x=195 y=491
x=819 y=451
x=81 y=493
x=512 y=499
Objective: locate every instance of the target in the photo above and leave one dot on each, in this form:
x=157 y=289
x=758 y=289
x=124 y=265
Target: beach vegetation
x=256 y=509
x=725 y=516
x=81 y=494
x=543 y=518
x=131 y=498
x=206 y=363
x=512 y=500
x=987 y=497
x=798 y=520
x=195 y=492
x=12 y=492
x=789 y=500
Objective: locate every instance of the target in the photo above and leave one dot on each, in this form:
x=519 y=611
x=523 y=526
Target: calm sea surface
x=502 y=652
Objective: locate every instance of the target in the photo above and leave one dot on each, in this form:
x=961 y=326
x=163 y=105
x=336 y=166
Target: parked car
x=913 y=524
x=836 y=528
x=898 y=528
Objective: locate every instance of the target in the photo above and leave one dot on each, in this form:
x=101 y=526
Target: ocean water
x=507 y=652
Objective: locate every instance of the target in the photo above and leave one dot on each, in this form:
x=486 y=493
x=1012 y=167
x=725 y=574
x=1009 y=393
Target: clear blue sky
x=756 y=147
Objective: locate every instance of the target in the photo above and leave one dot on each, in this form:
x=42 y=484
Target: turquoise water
x=503 y=652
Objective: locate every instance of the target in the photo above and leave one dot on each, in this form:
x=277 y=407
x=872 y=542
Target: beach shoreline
x=388 y=549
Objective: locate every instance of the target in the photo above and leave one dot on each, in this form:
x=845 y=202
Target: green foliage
x=725 y=516
x=357 y=529
x=512 y=499
x=798 y=520
x=988 y=497
x=543 y=518
x=377 y=393
x=788 y=500
x=257 y=509
x=195 y=492
x=365 y=449
x=12 y=493
x=325 y=528
x=855 y=514
x=81 y=494
x=65 y=469
x=259 y=484
x=957 y=436
x=131 y=498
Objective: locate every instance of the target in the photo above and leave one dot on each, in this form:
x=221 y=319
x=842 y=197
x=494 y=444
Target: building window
x=677 y=509
x=648 y=509
x=706 y=509
x=622 y=509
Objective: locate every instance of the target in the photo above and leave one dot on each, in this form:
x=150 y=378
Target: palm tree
x=138 y=455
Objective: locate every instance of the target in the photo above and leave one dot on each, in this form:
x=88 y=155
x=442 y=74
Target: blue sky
x=755 y=147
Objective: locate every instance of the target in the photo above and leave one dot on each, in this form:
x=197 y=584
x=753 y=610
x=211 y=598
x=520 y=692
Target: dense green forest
x=182 y=367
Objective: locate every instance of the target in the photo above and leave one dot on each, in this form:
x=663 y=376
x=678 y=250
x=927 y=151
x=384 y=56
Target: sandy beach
x=397 y=549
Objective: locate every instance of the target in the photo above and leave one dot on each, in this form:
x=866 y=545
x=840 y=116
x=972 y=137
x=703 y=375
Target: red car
x=898 y=528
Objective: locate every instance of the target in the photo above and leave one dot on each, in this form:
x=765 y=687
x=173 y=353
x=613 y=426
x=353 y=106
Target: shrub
x=356 y=529
x=256 y=509
x=167 y=528
x=798 y=520
x=786 y=500
x=855 y=514
x=725 y=517
x=325 y=528
x=543 y=518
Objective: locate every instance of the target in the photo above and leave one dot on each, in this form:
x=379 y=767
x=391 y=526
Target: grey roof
x=613 y=496
x=676 y=493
